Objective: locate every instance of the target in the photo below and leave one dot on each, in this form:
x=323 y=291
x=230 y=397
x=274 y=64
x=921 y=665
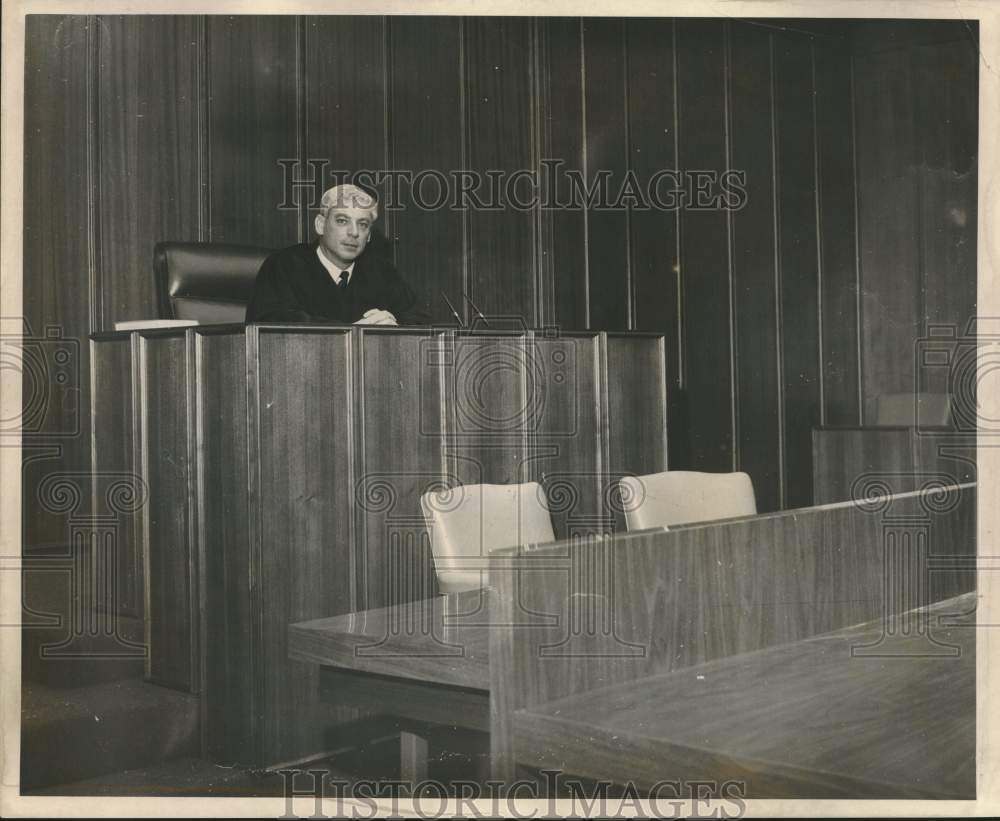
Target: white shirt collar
x=332 y=269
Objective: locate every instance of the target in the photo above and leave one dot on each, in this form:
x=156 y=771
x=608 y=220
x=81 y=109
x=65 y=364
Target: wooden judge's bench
x=281 y=468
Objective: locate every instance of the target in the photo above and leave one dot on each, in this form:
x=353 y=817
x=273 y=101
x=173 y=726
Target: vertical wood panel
x=399 y=459
x=223 y=540
x=301 y=564
x=755 y=267
x=114 y=454
x=839 y=292
x=57 y=266
x=499 y=137
x=165 y=423
x=253 y=122
x=653 y=242
x=567 y=431
x=149 y=182
x=488 y=402
x=607 y=152
x=946 y=114
x=704 y=258
x=426 y=134
x=563 y=141
x=637 y=411
x=799 y=310
x=888 y=222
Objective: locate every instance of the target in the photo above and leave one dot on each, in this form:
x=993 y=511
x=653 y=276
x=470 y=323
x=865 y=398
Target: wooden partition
x=848 y=461
x=285 y=466
x=605 y=611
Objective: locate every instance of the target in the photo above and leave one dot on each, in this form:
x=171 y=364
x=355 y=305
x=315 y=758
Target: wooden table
x=806 y=719
x=425 y=660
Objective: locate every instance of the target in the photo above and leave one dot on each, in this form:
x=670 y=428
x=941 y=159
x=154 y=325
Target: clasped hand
x=377 y=316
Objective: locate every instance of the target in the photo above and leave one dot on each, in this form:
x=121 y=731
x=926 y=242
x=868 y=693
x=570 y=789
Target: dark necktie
x=344 y=280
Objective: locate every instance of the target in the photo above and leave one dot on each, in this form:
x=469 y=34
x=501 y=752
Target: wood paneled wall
x=773 y=334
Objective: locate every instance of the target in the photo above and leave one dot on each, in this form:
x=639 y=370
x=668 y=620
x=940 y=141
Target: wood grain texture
x=302 y=490
x=652 y=146
x=426 y=111
x=761 y=581
x=607 y=153
x=837 y=234
x=848 y=459
x=165 y=427
x=564 y=236
x=568 y=431
x=443 y=640
x=797 y=259
x=491 y=396
x=704 y=263
x=498 y=103
x=755 y=273
x=223 y=538
x=400 y=403
x=56 y=277
x=252 y=90
x=946 y=113
x=888 y=221
x=114 y=454
x=455 y=707
x=805 y=720
x=150 y=188
x=636 y=413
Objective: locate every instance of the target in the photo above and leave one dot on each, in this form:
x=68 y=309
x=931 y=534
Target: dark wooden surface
x=251 y=89
x=888 y=221
x=839 y=341
x=57 y=278
x=704 y=262
x=301 y=528
x=166 y=465
x=398 y=458
x=609 y=264
x=761 y=581
x=443 y=640
x=805 y=720
x=427 y=108
x=636 y=414
x=407 y=698
x=794 y=119
x=500 y=136
x=563 y=138
x=756 y=277
x=850 y=461
x=652 y=143
x=114 y=462
x=149 y=151
x=223 y=514
x=568 y=435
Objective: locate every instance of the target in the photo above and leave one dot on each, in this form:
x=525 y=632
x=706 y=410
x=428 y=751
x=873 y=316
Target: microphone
x=451 y=308
x=478 y=312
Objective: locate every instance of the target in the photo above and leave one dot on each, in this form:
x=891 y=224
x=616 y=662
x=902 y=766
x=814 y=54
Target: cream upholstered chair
x=911 y=409
x=466 y=522
x=680 y=496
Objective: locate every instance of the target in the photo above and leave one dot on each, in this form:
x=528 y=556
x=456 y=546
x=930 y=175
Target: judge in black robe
x=338 y=278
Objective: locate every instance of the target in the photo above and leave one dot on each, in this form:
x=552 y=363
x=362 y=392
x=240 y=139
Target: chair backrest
x=206 y=281
x=679 y=497
x=911 y=409
x=466 y=522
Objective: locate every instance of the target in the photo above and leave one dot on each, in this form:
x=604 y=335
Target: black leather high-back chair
x=206 y=281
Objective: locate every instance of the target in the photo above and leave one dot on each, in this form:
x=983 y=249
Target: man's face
x=343 y=233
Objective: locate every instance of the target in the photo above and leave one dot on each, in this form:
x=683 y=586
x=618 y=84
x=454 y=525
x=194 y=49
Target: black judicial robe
x=293 y=286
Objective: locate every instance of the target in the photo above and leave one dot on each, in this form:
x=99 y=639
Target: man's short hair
x=347 y=196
